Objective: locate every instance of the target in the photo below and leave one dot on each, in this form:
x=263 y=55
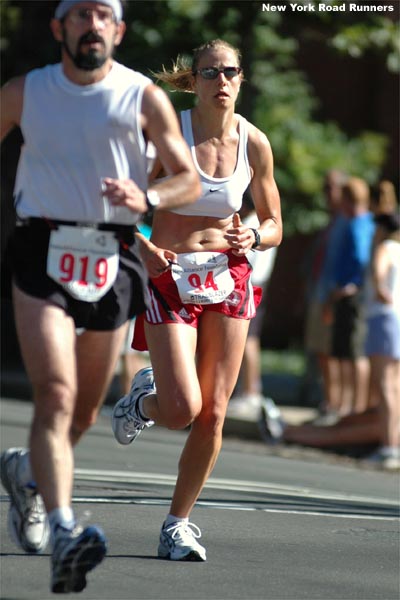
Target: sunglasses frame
x=215 y=71
x=85 y=15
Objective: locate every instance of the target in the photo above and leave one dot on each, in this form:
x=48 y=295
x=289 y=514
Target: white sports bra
x=221 y=197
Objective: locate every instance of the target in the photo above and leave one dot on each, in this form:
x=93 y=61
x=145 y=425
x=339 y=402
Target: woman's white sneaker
x=126 y=421
x=178 y=541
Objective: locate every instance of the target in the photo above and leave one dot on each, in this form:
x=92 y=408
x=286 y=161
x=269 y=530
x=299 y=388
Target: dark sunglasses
x=213 y=72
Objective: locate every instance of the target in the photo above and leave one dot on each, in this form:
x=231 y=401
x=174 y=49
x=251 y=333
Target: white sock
x=172 y=519
x=61 y=517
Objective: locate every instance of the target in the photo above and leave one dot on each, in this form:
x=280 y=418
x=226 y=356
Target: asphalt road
x=274 y=527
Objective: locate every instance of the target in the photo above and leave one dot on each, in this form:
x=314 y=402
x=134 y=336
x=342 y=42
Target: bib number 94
x=199 y=287
x=202 y=277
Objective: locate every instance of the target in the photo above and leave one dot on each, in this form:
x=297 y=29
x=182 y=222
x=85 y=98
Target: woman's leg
x=361 y=384
x=385 y=376
x=173 y=350
x=219 y=355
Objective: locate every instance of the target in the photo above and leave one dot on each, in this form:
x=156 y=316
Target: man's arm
x=182 y=184
x=161 y=125
x=11 y=100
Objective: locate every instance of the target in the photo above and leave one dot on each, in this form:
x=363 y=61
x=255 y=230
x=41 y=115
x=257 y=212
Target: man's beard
x=92 y=59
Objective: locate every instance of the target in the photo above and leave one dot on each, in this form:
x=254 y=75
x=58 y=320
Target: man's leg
x=352 y=430
x=97 y=356
x=57 y=364
x=251 y=367
x=47 y=341
x=332 y=383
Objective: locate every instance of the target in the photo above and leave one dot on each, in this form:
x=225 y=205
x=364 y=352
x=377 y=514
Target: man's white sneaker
x=126 y=421
x=75 y=553
x=178 y=542
x=27 y=519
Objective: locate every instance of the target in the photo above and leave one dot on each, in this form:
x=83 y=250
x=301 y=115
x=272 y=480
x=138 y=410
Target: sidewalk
x=247 y=426
x=14 y=384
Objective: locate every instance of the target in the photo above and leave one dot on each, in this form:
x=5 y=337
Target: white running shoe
x=75 y=553
x=246 y=407
x=27 y=519
x=126 y=421
x=178 y=541
x=271 y=424
x=385 y=458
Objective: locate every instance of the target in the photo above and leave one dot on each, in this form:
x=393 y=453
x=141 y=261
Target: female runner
x=200 y=288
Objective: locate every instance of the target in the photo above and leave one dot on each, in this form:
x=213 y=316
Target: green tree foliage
x=304 y=148
x=277 y=96
x=381 y=35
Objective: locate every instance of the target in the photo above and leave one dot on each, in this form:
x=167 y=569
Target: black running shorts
x=349 y=328
x=128 y=297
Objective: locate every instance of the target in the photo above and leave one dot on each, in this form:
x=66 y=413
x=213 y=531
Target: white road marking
x=227 y=506
x=132 y=477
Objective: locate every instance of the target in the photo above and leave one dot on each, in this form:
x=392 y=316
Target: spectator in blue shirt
x=348 y=322
x=320 y=271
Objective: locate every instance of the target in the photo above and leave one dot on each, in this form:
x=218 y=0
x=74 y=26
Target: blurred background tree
x=322 y=85
x=279 y=95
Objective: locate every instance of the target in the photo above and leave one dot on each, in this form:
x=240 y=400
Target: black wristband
x=257 y=239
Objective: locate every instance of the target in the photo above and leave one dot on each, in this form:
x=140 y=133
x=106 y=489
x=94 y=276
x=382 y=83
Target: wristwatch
x=152 y=199
x=257 y=239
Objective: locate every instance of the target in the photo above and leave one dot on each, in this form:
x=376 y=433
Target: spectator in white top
x=383 y=333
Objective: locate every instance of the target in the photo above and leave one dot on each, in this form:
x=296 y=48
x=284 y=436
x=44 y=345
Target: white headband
x=66 y=5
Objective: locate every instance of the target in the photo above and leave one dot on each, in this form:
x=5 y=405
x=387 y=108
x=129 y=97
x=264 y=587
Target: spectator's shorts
x=318 y=335
x=28 y=250
x=383 y=336
x=349 y=329
x=166 y=305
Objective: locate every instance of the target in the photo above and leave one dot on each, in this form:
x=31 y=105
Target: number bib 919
x=83 y=260
x=203 y=277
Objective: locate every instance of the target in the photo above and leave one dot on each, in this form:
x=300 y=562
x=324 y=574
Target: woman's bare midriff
x=181 y=233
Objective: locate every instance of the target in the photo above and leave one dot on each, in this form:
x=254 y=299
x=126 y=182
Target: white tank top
x=373 y=306
x=74 y=136
x=221 y=197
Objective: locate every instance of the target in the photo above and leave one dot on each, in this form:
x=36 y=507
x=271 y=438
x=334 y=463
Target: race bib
x=202 y=277
x=83 y=260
